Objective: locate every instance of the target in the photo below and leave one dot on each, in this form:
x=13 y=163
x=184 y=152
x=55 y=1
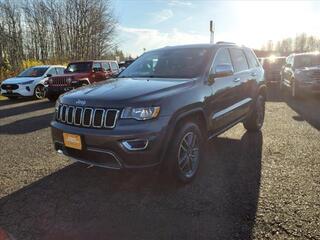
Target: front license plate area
x=72 y=141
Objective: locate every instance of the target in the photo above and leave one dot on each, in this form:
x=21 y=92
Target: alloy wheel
x=188 y=155
x=39 y=92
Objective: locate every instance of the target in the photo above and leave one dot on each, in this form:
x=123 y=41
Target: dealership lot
x=265 y=185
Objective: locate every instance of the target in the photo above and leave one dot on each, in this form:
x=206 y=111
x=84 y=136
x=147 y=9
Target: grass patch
x=2 y=98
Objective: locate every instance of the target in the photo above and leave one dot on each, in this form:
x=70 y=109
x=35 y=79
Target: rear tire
x=183 y=159
x=256 y=118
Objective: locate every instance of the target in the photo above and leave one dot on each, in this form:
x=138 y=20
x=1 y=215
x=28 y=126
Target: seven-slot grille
x=59 y=81
x=87 y=117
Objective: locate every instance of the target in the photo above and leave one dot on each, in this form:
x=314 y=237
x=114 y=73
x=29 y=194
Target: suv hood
x=19 y=80
x=309 y=69
x=129 y=90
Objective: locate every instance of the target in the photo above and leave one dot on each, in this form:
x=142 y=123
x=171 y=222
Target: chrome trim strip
x=127 y=145
x=78 y=124
x=115 y=119
x=90 y=120
x=102 y=118
x=231 y=108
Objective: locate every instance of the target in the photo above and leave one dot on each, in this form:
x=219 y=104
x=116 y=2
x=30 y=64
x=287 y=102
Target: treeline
x=51 y=31
x=301 y=43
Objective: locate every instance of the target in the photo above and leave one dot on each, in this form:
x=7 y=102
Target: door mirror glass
x=223 y=70
x=49 y=75
x=288 y=65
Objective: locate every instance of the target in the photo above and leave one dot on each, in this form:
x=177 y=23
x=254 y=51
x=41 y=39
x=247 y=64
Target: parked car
x=80 y=73
x=30 y=83
x=301 y=74
x=272 y=67
x=162 y=109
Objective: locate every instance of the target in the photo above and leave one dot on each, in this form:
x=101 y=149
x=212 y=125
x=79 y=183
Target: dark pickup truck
x=162 y=109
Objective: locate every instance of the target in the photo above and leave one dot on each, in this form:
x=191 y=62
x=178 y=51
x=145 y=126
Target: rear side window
x=114 y=66
x=223 y=57
x=239 y=60
x=252 y=60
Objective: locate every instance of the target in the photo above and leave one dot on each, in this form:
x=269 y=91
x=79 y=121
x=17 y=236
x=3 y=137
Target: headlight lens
x=69 y=80
x=57 y=105
x=142 y=113
x=28 y=82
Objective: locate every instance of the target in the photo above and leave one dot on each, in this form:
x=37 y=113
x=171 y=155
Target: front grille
x=87 y=117
x=59 y=81
x=9 y=86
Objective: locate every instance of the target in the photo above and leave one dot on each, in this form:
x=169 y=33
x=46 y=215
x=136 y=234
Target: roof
x=84 y=61
x=47 y=66
x=204 y=45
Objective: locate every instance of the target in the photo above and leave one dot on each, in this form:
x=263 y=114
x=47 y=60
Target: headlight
x=69 y=80
x=28 y=82
x=57 y=105
x=143 y=113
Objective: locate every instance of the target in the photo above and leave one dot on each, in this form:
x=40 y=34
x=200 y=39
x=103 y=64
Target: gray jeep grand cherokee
x=162 y=109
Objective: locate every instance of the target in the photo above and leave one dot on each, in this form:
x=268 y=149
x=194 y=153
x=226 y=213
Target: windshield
x=306 y=60
x=169 y=63
x=78 y=67
x=33 y=72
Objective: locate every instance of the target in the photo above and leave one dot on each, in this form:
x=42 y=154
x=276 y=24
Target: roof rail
x=222 y=42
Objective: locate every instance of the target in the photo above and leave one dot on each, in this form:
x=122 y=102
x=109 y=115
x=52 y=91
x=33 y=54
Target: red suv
x=78 y=74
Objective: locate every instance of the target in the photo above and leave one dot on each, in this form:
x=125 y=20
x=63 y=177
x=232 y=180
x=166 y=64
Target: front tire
x=295 y=93
x=39 y=92
x=185 y=153
x=256 y=118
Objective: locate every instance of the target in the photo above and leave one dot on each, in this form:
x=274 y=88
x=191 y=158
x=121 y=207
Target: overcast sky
x=152 y=24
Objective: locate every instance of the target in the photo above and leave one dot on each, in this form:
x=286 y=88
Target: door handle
x=237 y=79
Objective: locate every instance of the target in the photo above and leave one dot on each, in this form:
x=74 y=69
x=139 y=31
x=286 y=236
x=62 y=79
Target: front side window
x=79 y=67
x=33 y=72
x=239 y=60
x=222 y=58
x=170 y=63
x=106 y=66
x=52 y=71
x=114 y=66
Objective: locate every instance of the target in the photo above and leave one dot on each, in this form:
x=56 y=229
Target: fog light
x=28 y=89
x=136 y=144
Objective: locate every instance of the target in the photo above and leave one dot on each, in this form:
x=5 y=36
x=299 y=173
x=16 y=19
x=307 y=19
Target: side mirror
x=288 y=65
x=223 y=70
x=49 y=75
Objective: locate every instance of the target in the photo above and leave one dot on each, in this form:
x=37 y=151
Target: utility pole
x=211 y=32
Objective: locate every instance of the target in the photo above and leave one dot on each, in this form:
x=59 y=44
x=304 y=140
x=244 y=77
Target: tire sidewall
x=173 y=167
x=35 y=89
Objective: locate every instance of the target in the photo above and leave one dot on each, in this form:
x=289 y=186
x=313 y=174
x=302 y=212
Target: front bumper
x=22 y=91
x=105 y=148
x=55 y=91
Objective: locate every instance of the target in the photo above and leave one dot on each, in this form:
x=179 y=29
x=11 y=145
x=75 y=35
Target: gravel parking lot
x=251 y=186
